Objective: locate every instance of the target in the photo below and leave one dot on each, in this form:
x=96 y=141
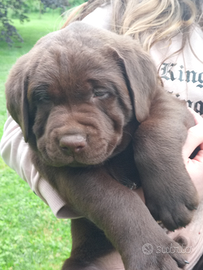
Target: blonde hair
x=150 y=21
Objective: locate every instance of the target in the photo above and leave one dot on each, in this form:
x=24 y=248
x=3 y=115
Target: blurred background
x=31 y=238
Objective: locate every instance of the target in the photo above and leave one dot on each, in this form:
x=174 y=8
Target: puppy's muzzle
x=73 y=144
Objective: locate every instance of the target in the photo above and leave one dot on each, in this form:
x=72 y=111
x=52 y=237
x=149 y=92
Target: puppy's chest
x=123 y=169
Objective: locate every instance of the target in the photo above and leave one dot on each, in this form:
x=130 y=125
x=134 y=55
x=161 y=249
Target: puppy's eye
x=100 y=94
x=41 y=95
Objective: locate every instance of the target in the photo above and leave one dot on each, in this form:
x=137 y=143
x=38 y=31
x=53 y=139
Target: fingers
x=194 y=138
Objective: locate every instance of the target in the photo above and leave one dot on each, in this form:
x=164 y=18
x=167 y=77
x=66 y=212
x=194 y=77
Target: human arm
x=15 y=153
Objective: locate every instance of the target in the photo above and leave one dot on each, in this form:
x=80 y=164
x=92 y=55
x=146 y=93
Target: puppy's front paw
x=158 y=252
x=163 y=255
x=172 y=203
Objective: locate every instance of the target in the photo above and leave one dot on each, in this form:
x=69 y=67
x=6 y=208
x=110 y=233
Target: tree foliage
x=55 y=3
x=21 y=8
x=7 y=30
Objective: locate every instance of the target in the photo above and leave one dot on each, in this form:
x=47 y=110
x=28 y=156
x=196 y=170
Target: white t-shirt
x=182 y=73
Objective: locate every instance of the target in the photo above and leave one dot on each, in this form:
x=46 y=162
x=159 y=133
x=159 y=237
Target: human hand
x=195 y=166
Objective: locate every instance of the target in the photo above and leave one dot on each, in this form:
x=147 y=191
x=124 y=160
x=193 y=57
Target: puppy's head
x=76 y=93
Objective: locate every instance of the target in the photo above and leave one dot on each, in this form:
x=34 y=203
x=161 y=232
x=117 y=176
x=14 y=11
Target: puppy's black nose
x=73 y=143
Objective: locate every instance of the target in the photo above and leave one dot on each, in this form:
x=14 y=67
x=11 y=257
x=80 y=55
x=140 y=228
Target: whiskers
x=128 y=133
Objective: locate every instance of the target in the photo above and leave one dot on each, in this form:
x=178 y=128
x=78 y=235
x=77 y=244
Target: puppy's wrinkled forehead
x=71 y=58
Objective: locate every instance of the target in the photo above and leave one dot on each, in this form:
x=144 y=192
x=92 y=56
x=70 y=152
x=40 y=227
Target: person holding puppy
x=171 y=31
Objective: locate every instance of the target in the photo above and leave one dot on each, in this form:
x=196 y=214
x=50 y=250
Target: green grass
x=31 y=238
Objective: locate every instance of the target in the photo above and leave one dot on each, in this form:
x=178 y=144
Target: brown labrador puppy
x=90 y=106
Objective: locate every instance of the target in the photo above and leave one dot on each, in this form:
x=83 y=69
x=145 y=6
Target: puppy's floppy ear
x=140 y=75
x=16 y=96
